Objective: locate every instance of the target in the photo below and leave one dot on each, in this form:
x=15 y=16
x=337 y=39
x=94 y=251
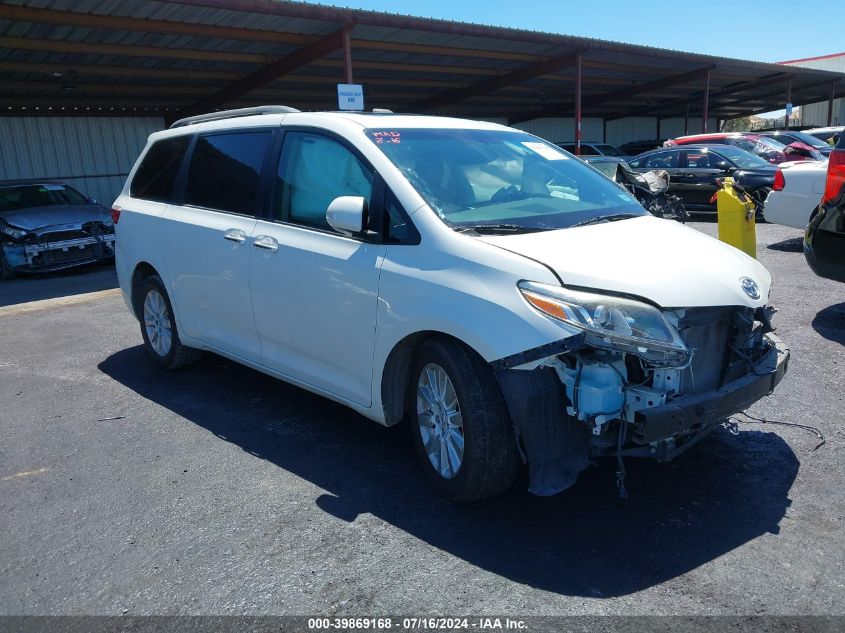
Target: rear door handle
x=266 y=242
x=235 y=235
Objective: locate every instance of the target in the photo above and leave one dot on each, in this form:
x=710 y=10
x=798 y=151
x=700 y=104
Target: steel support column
x=578 y=104
x=830 y=105
x=686 y=120
x=705 y=109
x=788 y=100
x=347 y=56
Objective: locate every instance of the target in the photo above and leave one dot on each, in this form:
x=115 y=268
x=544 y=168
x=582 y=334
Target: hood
x=664 y=261
x=34 y=218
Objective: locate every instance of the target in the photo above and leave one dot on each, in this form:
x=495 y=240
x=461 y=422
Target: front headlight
x=611 y=322
x=11 y=231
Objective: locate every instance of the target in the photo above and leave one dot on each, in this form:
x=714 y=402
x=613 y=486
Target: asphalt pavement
x=219 y=490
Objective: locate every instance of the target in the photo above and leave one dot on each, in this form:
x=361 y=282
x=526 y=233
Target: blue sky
x=771 y=31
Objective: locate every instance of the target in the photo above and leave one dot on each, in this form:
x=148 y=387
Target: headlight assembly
x=611 y=322
x=11 y=231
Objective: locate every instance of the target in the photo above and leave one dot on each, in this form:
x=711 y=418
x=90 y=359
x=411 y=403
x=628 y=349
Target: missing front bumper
x=689 y=414
x=56 y=255
x=557 y=447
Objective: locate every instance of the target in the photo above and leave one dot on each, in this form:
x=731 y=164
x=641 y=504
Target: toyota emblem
x=750 y=287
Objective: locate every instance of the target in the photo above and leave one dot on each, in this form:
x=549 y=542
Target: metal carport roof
x=142 y=56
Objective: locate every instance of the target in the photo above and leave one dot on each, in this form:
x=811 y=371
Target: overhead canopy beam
x=262 y=77
x=494 y=84
x=170 y=27
x=726 y=91
x=622 y=93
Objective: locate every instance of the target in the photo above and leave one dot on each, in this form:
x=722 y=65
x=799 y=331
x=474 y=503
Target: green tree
x=740 y=124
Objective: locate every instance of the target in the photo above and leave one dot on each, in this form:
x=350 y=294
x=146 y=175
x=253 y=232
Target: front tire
x=462 y=430
x=6 y=271
x=158 y=327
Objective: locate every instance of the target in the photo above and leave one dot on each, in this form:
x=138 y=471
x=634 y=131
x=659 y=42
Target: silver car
x=49 y=226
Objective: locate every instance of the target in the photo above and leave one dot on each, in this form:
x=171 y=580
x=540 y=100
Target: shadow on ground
x=62 y=283
x=584 y=542
x=792 y=245
x=830 y=323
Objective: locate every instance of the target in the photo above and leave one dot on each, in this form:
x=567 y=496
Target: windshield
x=743 y=159
x=610 y=150
x=507 y=179
x=30 y=196
x=809 y=139
x=761 y=145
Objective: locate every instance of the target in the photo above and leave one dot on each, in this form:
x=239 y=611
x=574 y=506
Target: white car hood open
x=664 y=261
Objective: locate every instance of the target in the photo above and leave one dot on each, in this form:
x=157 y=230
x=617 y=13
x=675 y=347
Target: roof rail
x=232 y=114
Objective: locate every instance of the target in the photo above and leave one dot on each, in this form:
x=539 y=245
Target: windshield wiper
x=605 y=218
x=498 y=228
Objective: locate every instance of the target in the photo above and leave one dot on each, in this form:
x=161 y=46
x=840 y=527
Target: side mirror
x=346 y=214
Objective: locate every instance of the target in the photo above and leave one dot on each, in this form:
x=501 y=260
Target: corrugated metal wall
x=92 y=154
x=816 y=113
x=670 y=128
x=562 y=129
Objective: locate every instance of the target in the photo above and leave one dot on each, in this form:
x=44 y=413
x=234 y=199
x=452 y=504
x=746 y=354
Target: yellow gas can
x=736 y=217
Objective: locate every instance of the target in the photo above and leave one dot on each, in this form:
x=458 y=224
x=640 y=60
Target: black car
x=594 y=149
x=794 y=136
x=47 y=226
x=824 y=239
x=693 y=170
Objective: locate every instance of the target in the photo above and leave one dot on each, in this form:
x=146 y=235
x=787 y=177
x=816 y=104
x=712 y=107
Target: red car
x=765 y=147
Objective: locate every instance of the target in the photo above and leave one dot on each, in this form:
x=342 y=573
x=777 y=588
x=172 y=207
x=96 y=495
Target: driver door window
x=313 y=171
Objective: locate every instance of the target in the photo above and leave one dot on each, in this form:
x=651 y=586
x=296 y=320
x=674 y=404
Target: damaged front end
x=633 y=380
x=56 y=247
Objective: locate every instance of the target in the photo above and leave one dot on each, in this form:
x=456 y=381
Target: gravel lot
x=219 y=490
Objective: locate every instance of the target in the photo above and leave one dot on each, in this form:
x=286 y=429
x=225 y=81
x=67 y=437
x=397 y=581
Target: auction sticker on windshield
x=549 y=153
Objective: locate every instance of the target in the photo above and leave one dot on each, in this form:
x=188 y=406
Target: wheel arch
x=396 y=375
x=142 y=270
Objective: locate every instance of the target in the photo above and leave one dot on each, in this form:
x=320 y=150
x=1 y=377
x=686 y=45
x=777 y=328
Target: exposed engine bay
x=639 y=402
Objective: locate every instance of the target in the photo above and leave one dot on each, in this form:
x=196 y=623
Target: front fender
x=475 y=303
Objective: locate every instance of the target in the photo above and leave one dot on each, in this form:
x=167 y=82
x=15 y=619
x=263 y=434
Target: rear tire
x=158 y=327
x=760 y=196
x=462 y=430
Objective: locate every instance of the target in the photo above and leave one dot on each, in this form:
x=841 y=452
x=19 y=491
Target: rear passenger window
x=156 y=174
x=660 y=160
x=313 y=171
x=700 y=160
x=225 y=171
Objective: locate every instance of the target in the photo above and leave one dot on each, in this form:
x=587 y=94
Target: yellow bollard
x=736 y=218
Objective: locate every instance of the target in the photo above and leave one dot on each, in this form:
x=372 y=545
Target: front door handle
x=266 y=242
x=235 y=235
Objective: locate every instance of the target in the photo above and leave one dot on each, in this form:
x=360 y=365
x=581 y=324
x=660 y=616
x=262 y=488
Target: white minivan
x=509 y=301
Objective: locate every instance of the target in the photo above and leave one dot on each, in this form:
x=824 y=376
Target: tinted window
x=610 y=150
x=659 y=160
x=743 y=159
x=399 y=228
x=225 y=171
x=586 y=150
x=157 y=172
x=701 y=159
x=313 y=171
